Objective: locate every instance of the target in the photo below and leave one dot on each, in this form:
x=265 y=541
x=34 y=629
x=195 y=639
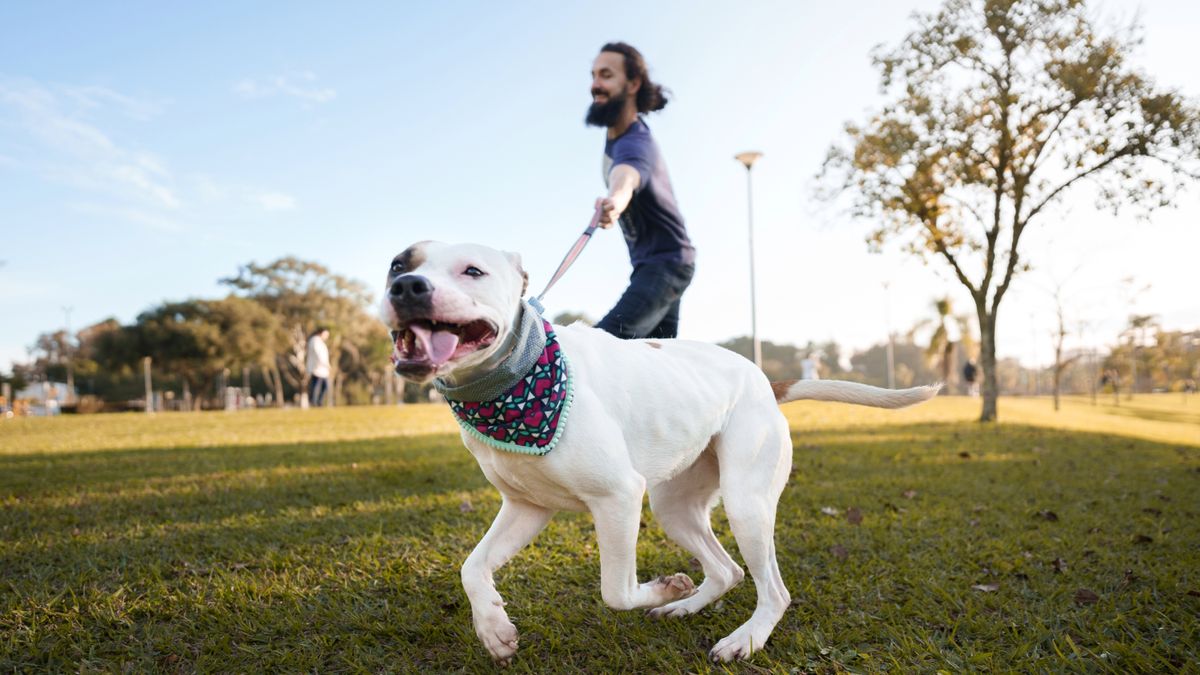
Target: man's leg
x=652 y=297
x=669 y=326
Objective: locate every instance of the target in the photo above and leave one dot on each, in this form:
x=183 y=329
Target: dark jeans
x=317 y=386
x=649 y=308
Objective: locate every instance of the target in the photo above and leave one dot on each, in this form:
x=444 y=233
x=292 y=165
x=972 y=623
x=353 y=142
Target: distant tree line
x=256 y=335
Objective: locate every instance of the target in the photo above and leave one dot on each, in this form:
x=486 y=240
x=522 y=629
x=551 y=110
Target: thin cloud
x=76 y=151
x=276 y=201
x=301 y=86
x=93 y=96
x=128 y=214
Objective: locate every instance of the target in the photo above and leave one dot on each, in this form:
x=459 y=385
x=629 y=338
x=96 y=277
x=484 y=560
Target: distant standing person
x=639 y=197
x=810 y=368
x=317 y=363
x=969 y=374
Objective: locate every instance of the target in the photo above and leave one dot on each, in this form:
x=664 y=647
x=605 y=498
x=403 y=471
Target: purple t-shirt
x=653 y=226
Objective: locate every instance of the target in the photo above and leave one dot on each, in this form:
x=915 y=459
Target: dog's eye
x=473 y=271
x=397 y=267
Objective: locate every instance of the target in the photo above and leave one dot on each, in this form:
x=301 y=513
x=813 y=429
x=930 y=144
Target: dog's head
x=449 y=306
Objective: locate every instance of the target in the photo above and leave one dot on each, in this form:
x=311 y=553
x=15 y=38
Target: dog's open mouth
x=434 y=343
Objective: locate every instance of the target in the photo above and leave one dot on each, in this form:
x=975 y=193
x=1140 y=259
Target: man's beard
x=605 y=114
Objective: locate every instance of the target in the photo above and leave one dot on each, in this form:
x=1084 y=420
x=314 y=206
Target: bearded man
x=639 y=197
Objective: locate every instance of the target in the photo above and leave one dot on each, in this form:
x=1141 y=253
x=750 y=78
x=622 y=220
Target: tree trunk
x=1057 y=379
x=1058 y=367
x=947 y=365
x=278 y=377
x=987 y=364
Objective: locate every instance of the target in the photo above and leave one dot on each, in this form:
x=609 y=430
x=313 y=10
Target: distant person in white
x=317 y=363
x=810 y=368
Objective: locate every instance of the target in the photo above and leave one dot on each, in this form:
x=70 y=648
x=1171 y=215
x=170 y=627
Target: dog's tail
x=852 y=392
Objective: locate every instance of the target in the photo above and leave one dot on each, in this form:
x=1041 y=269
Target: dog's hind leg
x=756 y=456
x=683 y=507
x=515 y=526
x=618 y=520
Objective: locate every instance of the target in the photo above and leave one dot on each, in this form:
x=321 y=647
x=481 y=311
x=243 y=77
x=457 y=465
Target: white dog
x=687 y=422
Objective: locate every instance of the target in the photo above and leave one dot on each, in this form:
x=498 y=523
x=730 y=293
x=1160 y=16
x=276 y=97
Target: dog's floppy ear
x=515 y=259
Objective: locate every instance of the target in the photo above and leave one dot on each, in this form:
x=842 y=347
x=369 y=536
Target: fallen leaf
x=987 y=588
x=1128 y=579
x=839 y=551
x=829 y=511
x=909 y=494
x=465 y=506
x=854 y=516
x=964 y=454
x=1152 y=511
x=1048 y=515
x=974 y=522
x=1143 y=539
x=1059 y=565
x=1085 y=597
x=1194 y=594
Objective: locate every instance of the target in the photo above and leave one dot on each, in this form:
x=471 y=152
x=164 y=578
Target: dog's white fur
x=689 y=423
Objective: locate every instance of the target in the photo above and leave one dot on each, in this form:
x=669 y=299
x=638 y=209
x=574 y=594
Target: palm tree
x=940 y=353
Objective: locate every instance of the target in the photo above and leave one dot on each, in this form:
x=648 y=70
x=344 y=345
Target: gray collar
x=531 y=341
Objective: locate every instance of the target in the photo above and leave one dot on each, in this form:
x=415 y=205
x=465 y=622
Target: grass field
x=330 y=540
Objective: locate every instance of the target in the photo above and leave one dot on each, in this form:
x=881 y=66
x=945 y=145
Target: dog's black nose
x=410 y=287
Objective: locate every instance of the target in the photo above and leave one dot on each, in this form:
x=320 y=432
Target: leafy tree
x=567 y=318
x=304 y=295
x=910 y=363
x=1138 y=325
x=197 y=340
x=782 y=361
x=998 y=109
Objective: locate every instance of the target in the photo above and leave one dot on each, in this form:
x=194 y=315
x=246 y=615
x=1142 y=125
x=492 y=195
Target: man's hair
x=650 y=96
x=318 y=331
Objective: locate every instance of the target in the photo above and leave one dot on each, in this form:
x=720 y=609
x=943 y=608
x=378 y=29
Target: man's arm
x=622 y=181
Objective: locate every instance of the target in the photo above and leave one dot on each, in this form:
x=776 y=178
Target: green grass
x=329 y=541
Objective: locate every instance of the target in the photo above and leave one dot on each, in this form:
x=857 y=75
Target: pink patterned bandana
x=529 y=416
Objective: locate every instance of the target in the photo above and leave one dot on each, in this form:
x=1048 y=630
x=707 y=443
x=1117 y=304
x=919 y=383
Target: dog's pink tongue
x=439 y=345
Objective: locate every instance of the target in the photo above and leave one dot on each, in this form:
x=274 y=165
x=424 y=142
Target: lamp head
x=748 y=158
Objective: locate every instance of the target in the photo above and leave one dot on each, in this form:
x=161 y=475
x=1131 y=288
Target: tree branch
x=940 y=246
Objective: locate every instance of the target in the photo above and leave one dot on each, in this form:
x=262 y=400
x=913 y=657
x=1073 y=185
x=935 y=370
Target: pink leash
x=572 y=254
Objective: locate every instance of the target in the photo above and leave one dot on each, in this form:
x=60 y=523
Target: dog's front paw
x=499 y=637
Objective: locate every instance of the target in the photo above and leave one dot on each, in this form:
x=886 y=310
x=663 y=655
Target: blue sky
x=148 y=149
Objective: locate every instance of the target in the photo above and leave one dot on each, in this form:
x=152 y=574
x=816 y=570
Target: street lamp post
x=747 y=159
x=70 y=364
x=891 y=344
